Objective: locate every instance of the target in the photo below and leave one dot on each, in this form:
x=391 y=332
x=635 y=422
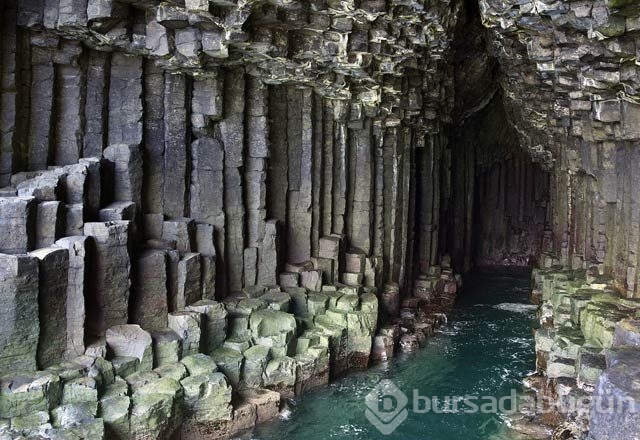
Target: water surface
x=485 y=350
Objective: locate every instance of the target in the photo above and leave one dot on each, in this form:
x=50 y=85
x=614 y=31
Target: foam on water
x=485 y=349
x=517 y=307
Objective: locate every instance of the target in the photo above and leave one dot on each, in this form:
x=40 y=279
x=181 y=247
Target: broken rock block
x=189 y=276
x=311 y=280
x=25 y=394
x=50 y=223
x=131 y=341
x=230 y=362
x=329 y=247
x=127 y=176
x=277 y=300
x=266 y=403
x=149 y=302
x=52 y=304
x=273 y=329
x=280 y=375
x=156 y=409
x=214 y=323
x=167 y=347
x=205 y=245
x=187 y=325
x=289 y=279
x=114 y=411
x=18 y=224
x=19 y=330
x=183 y=232
x=355 y=261
x=49 y=186
x=118 y=211
x=199 y=364
x=207 y=397
x=255 y=362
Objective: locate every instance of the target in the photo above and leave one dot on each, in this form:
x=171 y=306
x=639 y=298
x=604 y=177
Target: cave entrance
x=497 y=210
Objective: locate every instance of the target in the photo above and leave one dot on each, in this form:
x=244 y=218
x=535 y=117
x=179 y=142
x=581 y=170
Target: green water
x=484 y=350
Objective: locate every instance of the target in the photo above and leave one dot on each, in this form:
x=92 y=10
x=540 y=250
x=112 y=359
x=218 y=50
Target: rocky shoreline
x=192 y=366
x=587 y=352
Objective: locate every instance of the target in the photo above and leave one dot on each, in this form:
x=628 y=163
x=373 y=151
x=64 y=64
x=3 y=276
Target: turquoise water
x=485 y=350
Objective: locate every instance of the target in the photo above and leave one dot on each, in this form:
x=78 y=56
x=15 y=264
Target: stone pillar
x=80 y=267
x=19 y=325
x=52 y=305
x=110 y=279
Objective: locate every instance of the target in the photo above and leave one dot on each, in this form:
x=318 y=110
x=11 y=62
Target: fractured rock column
x=19 y=324
x=9 y=160
x=299 y=196
x=207 y=196
x=69 y=107
x=149 y=306
x=96 y=104
x=232 y=137
x=42 y=86
x=127 y=161
x=153 y=185
x=52 y=305
x=110 y=280
x=175 y=145
x=125 y=103
x=80 y=250
x=18 y=224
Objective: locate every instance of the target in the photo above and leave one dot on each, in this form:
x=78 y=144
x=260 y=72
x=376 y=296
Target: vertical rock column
x=150 y=299
x=19 y=324
x=299 y=196
x=42 y=87
x=232 y=136
x=80 y=254
x=153 y=200
x=257 y=141
x=8 y=93
x=18 y=224
x=125 y=103
x=52 y=305
x=70 y=78
x=96 y=104
x=175 y=145
x=110 y=280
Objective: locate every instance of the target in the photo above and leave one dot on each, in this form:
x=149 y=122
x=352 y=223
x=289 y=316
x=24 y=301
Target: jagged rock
x=207 y=397
x=18 y=221
x=214 y=323
x=127 y=161
x=131 y=341
x=26 y=394
x=230 y=363
x=187 y=326
x=150 y=300
x=167 y=347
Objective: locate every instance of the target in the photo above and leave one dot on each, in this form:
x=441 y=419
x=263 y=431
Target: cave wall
x=301 y=113
x=569 y=76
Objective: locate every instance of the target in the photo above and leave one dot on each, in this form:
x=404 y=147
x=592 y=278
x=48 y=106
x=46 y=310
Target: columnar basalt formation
x=206 y=205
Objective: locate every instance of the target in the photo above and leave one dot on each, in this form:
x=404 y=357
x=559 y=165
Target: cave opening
x=497 y=211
